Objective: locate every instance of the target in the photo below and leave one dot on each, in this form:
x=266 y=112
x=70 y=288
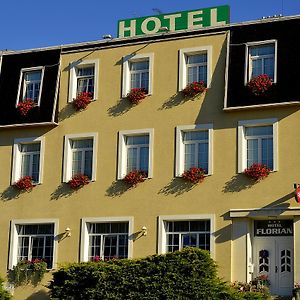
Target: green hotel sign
x=193 y=19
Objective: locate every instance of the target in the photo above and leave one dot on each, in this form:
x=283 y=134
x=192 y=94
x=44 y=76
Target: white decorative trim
x=84 y=242
x=73 y=77
x=126 y=71
x=122 y=153
x=269 y=105
x=67 y=172
x=242 y=155
x=16 y=163
x=179 y=168
x=183 y=53
x=162 y=230
x=264 y=212
x=258 y=43
x=40 y=68
x=14 y=238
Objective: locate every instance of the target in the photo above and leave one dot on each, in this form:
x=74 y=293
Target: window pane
x=203 y=156
x=35 y=147
x=267 y=152
x=86 y=143
x=87 y=71
x=35 y=167
x=139 y=65
x=132 y=159
x=189 y=156
x=267 y=49
x=144 y=158
x=197 y=58
x=77 y=162
x=25 y=165
x=189 y=240
x=88 y=163
x=195 y=135
x=252 y=152
x=259 y=130
x=137 y=140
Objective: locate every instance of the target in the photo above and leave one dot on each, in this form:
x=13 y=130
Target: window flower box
x=135 y=177
x=194 y=88
x=257 y=171
x=24 y=184
x=260 y=85
x=82 y=100
x=25 y=106
x=136 y=95
x=78 y=181
x=194 y=175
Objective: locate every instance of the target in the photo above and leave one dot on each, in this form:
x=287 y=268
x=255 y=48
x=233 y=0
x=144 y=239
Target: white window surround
x=20 y=94
x=242 y=149
x=165 y=218
x=122 y=153
x=84 y=242
x=67 y=172
x=183 y=53
x=179 y=169
x=73 y=76
x=126 y=71
x=16 y=164
x=259 y=43
x=14 y=238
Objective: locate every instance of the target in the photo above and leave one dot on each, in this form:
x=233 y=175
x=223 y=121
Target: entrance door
x=273 y=256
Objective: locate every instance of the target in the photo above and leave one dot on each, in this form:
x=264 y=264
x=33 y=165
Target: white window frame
x=242 y=142
x=84 y=242
x=73 y=77
x=67 y=172
x=122 y=151
x=16 y=164
x=126 y=71
x=180 y=146
x=170 y=218
x=13 y=250
x=183 y=54
x=21 y=79
x=247 y=58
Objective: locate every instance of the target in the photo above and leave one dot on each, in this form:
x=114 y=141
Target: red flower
x=25 y=106
x=78 y=181
x=135 y=177
x=82 y=100
x=24 y=184
x=194 y=88
x=194 y=175
x=96 y=258
x=260 y=84
x=257 y=171
x=136 y=95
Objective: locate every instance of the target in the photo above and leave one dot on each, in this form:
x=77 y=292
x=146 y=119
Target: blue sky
x=39 y=23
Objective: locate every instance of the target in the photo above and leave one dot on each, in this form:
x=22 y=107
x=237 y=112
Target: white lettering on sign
x=157 y=25
x=274 y=231
x=172 y=21
x=131 y=28
x=193 y=18
x=213 y=18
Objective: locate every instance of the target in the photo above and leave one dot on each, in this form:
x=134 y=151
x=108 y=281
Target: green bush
x=4 y=294
x=186 y=274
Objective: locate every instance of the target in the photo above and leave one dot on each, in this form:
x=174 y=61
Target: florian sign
x=273 y=228
x=194 y=19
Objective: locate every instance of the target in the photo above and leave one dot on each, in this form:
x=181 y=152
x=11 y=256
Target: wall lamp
x=144 y=231
x=164 y=28
x=107 y=37
x=68 y=232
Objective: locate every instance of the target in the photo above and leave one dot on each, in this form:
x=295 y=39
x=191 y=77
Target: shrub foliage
x=4 y=294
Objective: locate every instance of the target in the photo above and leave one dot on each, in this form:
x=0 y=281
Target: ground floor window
x=107 y=240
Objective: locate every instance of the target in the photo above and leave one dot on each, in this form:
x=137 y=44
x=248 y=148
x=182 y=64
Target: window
x=106 y=238
x=83 y=78
x=258 y=143
x=261 y=59
x=30 y=85
x=178 y=232
x=195 y=65
x=80 y=155
x=194 y=147
x=33 y=240
x=135 y=151
x=137 y=73
x=28 y=159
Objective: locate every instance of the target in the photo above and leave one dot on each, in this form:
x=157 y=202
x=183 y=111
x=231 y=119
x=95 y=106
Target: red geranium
x=257 y=171
x=135 y=177
x=78 y=181
x=194 y=175
x=194 y=88
x=25 y=106
x=82 y=100
x=260 y=84
x=24 y=184
x=136 y=95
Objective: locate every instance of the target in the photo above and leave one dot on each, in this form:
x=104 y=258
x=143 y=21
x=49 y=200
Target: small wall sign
x=297 y=194
x=213 y=16
x=273 y=228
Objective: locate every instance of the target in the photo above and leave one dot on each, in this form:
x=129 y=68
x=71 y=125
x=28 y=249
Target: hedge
x=186 y=274
x=4 y=294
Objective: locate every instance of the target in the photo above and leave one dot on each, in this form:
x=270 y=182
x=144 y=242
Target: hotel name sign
x=273 y=228
x=193 y=19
